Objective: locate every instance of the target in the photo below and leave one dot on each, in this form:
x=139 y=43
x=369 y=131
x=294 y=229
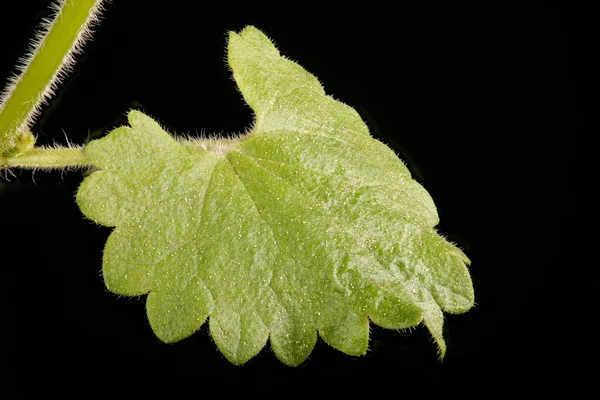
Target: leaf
x=307 y=224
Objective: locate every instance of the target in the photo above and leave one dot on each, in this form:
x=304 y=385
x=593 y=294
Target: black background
x=482 y=102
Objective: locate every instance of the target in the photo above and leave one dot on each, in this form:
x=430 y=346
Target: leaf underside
x=305 y=225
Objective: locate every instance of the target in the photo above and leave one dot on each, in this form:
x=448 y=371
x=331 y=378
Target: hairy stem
x=46 y=159
x=48 y=60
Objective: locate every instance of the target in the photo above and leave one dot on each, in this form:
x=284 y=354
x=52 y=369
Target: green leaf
x=306 y=225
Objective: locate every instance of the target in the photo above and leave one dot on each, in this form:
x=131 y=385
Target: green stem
x=49 y=59
x=46 y=158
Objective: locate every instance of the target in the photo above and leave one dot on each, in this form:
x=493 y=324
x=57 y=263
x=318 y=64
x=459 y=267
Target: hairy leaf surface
x=305 y=226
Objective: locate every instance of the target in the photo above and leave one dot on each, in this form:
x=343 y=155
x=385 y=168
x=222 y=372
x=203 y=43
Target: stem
x=47 y=159
x=48 y=60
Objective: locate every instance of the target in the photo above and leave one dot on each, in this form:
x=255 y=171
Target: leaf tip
x=135 y=117
x=254 y=39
